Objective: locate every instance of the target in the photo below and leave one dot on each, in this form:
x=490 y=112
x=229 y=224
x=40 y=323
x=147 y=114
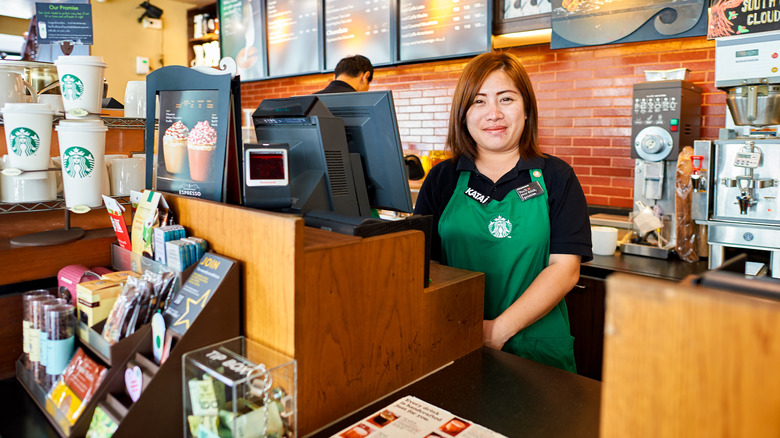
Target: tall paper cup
x=81 y=83
x=82 y=150
x=28 y=135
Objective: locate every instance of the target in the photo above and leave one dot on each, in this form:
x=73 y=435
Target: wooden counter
x=352 y=311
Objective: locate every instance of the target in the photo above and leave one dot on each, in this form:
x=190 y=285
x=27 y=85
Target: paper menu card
x=411 y=417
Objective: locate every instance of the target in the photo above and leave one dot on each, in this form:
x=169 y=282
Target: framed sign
x=593 y=22
x=730 y=17
x=193 y=130
x=521 y=15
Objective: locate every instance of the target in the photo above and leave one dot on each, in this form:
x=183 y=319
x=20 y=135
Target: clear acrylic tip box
x=239 y=389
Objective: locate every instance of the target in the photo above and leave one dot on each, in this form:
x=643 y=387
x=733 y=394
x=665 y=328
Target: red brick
x=592 y=142
x=597 y=200
x=592 y=161
x=610 y=191
x=612 y=112
x=579 y=122
x=571 y=150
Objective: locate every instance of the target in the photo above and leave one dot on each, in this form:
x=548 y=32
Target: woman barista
x=502 y=207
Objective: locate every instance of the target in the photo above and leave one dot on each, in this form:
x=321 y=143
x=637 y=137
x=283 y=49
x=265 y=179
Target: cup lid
x=80 y=60
x=28 y=108
x=81 y=125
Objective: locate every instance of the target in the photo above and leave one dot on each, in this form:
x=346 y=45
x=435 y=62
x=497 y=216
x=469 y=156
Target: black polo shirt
x=569 y=222
x=337 y=87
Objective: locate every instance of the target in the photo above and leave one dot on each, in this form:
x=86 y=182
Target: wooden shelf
x=31 y=263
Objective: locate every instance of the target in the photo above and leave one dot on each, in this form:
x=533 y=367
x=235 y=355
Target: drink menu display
x=441 y=28
x=358 y=27
x=293 y=37
x=241 y=36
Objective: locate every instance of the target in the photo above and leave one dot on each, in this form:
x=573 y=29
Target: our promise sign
x=60 y=22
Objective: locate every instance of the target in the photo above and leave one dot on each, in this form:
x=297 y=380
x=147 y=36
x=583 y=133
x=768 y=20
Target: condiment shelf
x=53 y=205
x=159 y=407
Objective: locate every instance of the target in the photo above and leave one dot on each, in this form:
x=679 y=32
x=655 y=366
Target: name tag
x=475 y=195
x=529 y=191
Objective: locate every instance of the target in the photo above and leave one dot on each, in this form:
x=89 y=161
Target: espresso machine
x=736 y=178
x=666 y=117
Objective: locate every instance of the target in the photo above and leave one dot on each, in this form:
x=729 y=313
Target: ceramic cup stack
x=82 y=151
x=81 y=84
x=28 y=140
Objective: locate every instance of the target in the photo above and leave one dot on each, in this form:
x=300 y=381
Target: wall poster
x=594 y=22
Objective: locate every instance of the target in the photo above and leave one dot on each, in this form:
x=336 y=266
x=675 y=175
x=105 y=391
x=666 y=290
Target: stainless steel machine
x=666 y=116
x=737 y=177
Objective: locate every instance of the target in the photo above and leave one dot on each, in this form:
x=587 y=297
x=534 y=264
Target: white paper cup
x=28 y=187
x=28 y=135
x=81 y=83
x=135 y=99
x=604 y=240
x=82 y=146
x=127 y=174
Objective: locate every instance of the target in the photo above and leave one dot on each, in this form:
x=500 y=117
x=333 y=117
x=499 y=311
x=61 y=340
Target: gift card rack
x=158 y=410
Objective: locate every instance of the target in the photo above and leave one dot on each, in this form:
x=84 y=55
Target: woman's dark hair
x=458 y=138
x=354 y=66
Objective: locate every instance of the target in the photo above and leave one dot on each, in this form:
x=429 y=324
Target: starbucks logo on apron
x=78 y=162
x=24 y=142
x=500 y=227
x=72 y=87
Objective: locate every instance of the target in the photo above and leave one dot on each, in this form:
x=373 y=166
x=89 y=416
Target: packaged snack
x=75 y=387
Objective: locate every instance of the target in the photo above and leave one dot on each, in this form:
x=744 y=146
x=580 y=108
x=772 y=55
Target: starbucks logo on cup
x=72 y=87
x=24 y=142
x=78 y=162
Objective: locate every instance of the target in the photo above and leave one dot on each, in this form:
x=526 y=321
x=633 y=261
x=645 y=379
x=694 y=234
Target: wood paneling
x=10 y=333
x=26 y=263
x=265 y=244
x=352 y=311
x=687 y=361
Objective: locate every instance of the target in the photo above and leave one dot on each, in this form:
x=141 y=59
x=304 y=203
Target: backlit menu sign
x=358 y=27
x=293 y=37
x=442 y=28
x=241 y=36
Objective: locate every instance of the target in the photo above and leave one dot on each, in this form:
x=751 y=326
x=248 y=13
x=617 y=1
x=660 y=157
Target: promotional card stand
x=158 y=410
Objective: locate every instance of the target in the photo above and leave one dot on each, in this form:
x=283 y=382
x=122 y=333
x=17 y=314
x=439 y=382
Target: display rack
x=159 y=408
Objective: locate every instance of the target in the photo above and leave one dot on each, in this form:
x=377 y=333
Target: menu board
x=442 y=28
x=293 y=37
x=241 y=36
x=358 y=27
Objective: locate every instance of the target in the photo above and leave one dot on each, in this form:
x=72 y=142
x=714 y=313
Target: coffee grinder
x=666 y=117
x=736 y=177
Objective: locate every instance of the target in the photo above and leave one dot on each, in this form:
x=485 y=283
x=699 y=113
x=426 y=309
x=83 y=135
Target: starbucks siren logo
x=500 y=227
x=24 y=142
x=72 y=87
x=78 y=162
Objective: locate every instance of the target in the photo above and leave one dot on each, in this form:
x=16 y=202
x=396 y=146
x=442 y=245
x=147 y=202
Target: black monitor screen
x=372 y=131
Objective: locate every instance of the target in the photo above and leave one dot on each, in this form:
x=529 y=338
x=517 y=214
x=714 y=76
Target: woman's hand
x=491 y=336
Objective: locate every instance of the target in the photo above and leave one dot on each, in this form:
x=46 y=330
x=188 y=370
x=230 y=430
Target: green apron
x=508 y=240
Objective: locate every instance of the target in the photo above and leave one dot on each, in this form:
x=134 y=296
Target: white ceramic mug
x=82 y=150
x=604 y=240
x=127 y=174
x=54 y=101
x=135 y=99
x=13 y=86
x=28 y=135
x=81 y=84
x=28 y=187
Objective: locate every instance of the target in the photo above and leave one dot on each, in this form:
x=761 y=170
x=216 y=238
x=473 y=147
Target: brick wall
x=584 y=96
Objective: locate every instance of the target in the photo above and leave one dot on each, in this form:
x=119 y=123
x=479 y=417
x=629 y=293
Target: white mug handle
x=31 y=90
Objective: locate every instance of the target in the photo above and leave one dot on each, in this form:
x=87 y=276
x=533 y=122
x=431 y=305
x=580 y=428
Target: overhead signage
x=729 y=18
x=358 y=27
x=60 y=22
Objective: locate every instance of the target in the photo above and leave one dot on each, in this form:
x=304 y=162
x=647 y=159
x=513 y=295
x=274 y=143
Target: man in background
x=353 y=73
